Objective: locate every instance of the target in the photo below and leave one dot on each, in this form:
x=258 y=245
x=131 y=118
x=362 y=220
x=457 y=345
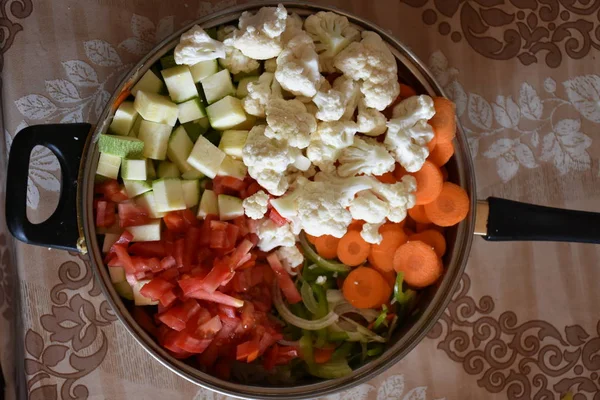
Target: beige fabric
x=524 y=323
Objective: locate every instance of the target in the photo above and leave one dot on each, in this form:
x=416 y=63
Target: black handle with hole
x=67 y=142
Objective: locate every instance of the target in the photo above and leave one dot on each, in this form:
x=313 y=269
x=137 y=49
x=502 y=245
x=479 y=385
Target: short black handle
x=67 y=142
x=512 y=220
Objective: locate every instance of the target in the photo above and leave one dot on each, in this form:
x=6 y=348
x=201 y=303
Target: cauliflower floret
x=370 y=121
x=327 y=142
x=365 y=156
x=271 y=235
x=259 y=35
x=298 y=66
x=330 y=103
x=368 y=207
x=289 y=120
x=400 y=196
x=268 y=160
x=235 y=61
x=271 y=65
x=293 y=26
x=195 y=45
x=256 y=206
x=290 y=257
x=350 y=91
x=331 y=33
x=408 y=132
x=371 y=62
x=370 y=232
x=259 y=94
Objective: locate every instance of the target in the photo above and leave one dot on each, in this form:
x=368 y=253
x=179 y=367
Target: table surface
x=523 y=323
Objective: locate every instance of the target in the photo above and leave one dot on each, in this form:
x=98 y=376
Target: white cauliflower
x=259 y=94
x=293 y=26
x=298 y=66
x=372 y=63
x=195 y=45
x=370 y=121
x=256 y=206
x=259 y=35
x=330 y=103
x=271 y=65
x=365 y=156
x=368 y=207
x=331 y=33
x=350 y=91
x=289 y=120
x=327 y=142
x=290 y=257
x=400 y=196
x=268 y=160
x=408 y=132
x=234 y=61
x=370 y=233
x=270 y=235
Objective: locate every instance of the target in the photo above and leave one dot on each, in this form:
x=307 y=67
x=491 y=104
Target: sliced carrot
x=399 y=172
x=388 y=177
x=444 y=173
x=429 y=183
x=382 y=254
x=322 y=355
x=451 y=207
x=392 y=226
x=441 y=154
x=407 y=91
x=433 y=238
x=356 y=224
x=121 y=98
x=389 y=276
x=409 y=232
x=417 y=213
x=311 y=239
x=420 y=264
x=326 y=246
x=444 y=120
x=352 y=249
x=431 y=144
x=365 y=288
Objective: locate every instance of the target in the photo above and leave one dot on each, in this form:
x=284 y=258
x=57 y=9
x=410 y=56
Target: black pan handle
x=67 y=142
x=511 y=220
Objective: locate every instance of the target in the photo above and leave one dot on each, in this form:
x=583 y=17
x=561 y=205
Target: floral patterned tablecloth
x=524 y=75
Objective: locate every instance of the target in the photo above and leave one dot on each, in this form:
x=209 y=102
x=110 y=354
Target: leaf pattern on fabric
x=584 y=94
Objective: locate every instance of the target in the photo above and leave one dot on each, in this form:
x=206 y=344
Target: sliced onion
x=373 y=337
x=289 y=317
x=334 y=296
x=308 y=298
x=367 y=313
x=353 y=336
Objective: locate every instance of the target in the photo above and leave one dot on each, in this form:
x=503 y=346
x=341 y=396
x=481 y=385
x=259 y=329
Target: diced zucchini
x=192 y=174
x=247 y=124
x=122 y=146
x=242 y=89
x=196 y=128
x=135 y=188
x=179 y=148
x=208 y=204
x=133 y=170
x=109 y=240
x=124 y=119
x=230 y=207
x=149 y=83
x=217 y=86
x=135 y=129
x=150 y=170
x=191 y=192
x=145 y=233
x=156 y=108
x=168 y=61
x=180 y=83
x=233 y=141
x=241 y=75
x=156 y=138
x=226 y=113
x=148 y=201
x=167 y=169
x=124 y=290
x=191 y=110
x=117 y=274
x=204 y=69
x=138 y=299
x=108 y=166
x=206 y=157
x=232 y=167
x=168 y=194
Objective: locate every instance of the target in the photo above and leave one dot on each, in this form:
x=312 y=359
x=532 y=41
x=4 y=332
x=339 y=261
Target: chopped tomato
x=210 y=328
x=240 y=222
x=229 y=182
x=283 y=279
x=130 y=214
x=191 y=284
x=191 y=343
x=226 y=311
x=216 y=297
x=174 y=222
x=105 y=213
x=111 y=190
x=248 y=351
x=178 y=248
x=168 y=298
x=167 y=263
x=209 y=356
x=155 y=288
x=148 y=249
x=192 y=236
x=252 y=189
x=124 y=259
x=277 y=218
x=177 y=317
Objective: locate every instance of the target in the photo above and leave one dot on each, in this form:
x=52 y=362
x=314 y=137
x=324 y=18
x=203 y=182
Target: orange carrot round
x=311 y=239
x=365 y=288
x=417 y=213
x=429 y=183
x=388 y=177
x=431 y=144
x=420 y=264
x=356 y=224
x=444 y=120
x=392 y=226
x=444 y=171
x=382 y=254
x=389 y=276
x=441 y=154
x=433 y=238
x=352 y=249
x=451 y=206
x=407 y=91
x=326 y=246
x=399 y=172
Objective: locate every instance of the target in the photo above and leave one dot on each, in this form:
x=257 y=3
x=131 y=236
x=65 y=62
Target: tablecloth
x=524 y=322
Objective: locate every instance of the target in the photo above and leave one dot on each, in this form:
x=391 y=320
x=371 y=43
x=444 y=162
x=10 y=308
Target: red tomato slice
x=148 y=249
x=221 y=272
x=252 y=189
x=210 y=328
x=192 y=236
x=111 y=190
x=227 y=332
x=283 y=279
x=124 y=259
x=248 y=351
x=277 y=218
x=190 y=343
x=178 y=250
x=177 y=317
x=130 y=214
x=156 y=288
x=168 y=298
x=217 y=297
x=105 y=213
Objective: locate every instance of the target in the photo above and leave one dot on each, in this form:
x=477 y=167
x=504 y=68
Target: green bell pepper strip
x=320 y=261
